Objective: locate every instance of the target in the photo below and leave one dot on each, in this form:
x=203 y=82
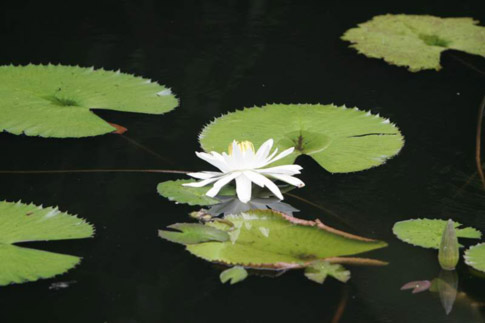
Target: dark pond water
x=219 y=56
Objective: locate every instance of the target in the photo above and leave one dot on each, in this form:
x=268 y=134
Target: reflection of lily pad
x=340 y=139
x=427 y=233
x=174 y=191
x=22 y=223
x=55 y=101
x=267 y=239
x=475 y=257
x=416 y=41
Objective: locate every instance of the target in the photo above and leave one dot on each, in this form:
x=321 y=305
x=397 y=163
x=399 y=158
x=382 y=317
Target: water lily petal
x=264 y=150
x=201 y=183
x=254 y=178
x=289 y=179
x=263 y=181
x=214 y=160
x=282 y=155
x=284 y=169
x=204 y=175
x=220 y=183
x=243 y=188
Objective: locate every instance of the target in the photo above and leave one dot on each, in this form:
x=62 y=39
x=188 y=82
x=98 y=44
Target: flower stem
x=478 y=142
x=74 y=171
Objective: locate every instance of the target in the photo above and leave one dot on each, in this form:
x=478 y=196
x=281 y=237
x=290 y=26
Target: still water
x=218 y=56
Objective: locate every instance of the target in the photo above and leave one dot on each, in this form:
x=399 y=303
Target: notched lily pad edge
x=167 y=91
x=56 y=208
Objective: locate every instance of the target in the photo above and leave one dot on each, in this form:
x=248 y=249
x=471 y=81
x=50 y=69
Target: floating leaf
x=268 y=239
x=175 y=191
x=340 y=139
x=234 y=274
x=191 y=233
x=427 y=233
x=26 y=222
x=319 y=270
x=55 y=101
x=475 y=257
x=416 y=41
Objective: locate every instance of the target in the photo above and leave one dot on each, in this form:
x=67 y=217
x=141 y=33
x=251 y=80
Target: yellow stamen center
x=243 y=146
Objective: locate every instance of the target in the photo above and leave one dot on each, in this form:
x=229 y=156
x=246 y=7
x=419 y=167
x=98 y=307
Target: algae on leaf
x=427 y=233
x=340 y=139
x=26 y=222
x=56 y=101
x=416 y=41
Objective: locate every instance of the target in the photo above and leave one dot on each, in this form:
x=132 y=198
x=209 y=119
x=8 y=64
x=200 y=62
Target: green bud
x=449 y=253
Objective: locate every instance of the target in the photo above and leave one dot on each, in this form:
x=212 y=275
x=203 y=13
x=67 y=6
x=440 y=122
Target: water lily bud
x=449 y=253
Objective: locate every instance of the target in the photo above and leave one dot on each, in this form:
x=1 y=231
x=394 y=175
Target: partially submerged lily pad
x=427 y=233
x=56 y=101
x=175 y=191
x=340 y=139
x=234 y=275
x=26 y=222
x=265 y=239
x=319 y=270
x=190 y=233
x=475 y=257
x=416 y=41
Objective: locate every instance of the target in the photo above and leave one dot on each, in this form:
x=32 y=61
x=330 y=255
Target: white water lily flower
x=246 y=166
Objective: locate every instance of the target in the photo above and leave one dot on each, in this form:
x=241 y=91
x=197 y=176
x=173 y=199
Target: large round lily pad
x=416 y=41
x=26 y=222
x=340 y=139
x=56 y=100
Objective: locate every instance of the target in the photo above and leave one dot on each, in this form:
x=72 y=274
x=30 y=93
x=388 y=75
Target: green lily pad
x=416 y=41
x=319 y=270
x=427 y=233
x=175 y=191
x=268 y=239
x=234 y=274
x=56 y=101
x=340 y=139
x=190 y=233
x=26 y=222
x=475 y=257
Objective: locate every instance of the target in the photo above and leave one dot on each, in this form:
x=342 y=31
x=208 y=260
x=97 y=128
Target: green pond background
x=218 y=56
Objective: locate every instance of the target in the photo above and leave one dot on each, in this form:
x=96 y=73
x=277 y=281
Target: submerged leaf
x=26 y=222
x=268 y=239
x=340 y=139
x=55 y=101
x=234 y=274
x=427 y=233
x=475 y=257
x=416 y=41
x=190 y=233
x=175 y=191
x=319 y=270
